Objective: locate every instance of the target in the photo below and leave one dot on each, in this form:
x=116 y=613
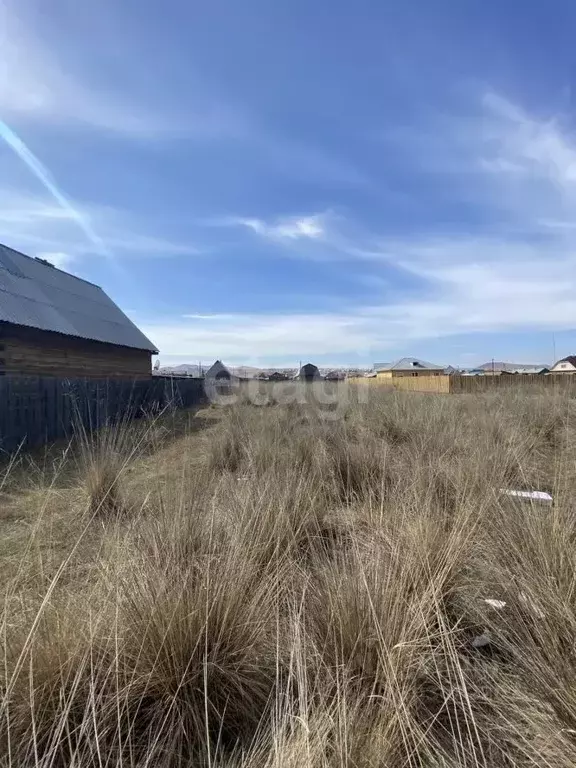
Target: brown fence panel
x=435 y=384
x=517 y=381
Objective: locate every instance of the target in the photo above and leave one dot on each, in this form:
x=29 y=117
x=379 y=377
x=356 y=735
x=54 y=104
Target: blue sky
x=268 y=182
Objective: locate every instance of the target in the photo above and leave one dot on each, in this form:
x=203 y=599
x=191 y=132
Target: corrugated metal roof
x=39 y=296
x=407 y=363
x=535 y=370
x=509 y=367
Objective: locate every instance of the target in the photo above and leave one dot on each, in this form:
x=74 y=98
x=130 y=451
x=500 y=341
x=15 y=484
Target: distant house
x=186 y=369
x=53 y=323
x=244 y=372
x=566 y=365
x=537 y=370
x=408 y=366
x=218 y=372
x=335 y=376
x=308 y=372
x=497 y=367
x=278 y=376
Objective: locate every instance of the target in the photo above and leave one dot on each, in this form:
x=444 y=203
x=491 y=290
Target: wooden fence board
x=36 y=410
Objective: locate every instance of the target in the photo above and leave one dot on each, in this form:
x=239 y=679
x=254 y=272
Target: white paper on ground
x=498 y=604
x=481 y=641
x=533 y=495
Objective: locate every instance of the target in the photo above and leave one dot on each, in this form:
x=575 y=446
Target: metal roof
x=536 y=369
x=407 y=364
x=508 y=367
x=570 y=359
x=38 y=295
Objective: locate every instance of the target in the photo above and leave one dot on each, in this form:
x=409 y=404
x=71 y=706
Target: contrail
x=43 y=175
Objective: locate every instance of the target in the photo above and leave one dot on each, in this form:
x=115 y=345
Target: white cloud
x=466 y=299
x=52 y=80
x=257 y=337
x=516 y=273
x=35 y=225
x=95 y=69
x=287 y=228
x=521 y=142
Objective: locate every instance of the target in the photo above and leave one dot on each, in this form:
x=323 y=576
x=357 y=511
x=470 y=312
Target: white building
x=566 y=365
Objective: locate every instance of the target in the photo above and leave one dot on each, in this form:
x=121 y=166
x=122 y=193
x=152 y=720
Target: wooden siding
x=416 y=372
x=27 y=352
x=420 y=383
x=563 y=368
x=413 y=372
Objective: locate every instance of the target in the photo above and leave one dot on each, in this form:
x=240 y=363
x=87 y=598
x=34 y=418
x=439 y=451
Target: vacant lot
x=265 y=586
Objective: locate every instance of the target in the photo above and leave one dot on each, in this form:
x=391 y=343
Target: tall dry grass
x=283 y=589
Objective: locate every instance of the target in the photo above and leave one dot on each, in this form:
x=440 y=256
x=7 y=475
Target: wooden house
x=565 y=366
x=53 y=323
x=219 y=372
x=407 y=366
x=308 y=372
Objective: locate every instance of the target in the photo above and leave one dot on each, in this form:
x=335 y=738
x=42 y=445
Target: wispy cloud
x=259 y=337
x=524 y=143
x=96 y=72
x=36 y=225
x=311 y=227
x=42 y=80
x=44 y=176
x=517 y=272
x=469 y=300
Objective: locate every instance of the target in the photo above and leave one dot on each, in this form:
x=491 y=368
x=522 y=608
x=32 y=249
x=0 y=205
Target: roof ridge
x=37 y=260
x=36 y=295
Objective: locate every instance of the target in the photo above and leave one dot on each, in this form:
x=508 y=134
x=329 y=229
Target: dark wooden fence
x=36 y=410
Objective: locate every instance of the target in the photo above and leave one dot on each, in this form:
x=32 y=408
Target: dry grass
x=282 y=589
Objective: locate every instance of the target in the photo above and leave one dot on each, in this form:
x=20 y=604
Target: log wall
x=28 y=352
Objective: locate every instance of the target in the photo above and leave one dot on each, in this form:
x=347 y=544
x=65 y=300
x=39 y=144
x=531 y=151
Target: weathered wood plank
x=36 y=409
x=32 y=352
